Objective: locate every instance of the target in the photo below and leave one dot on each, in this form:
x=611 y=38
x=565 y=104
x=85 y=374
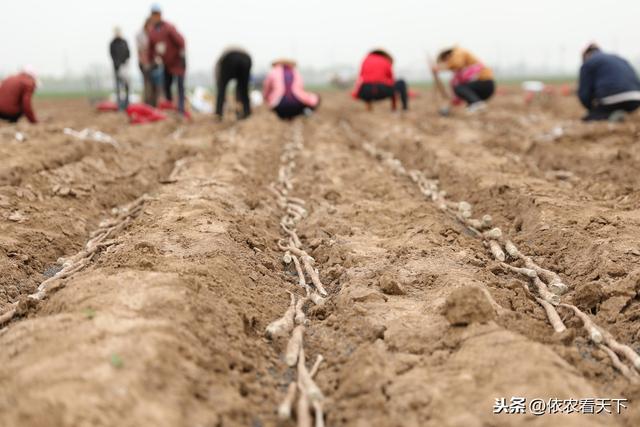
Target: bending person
x=376 y=81
x=609 y=87
x=472 y=81
x=284 y=92
x=234 y=64
x=15 y=96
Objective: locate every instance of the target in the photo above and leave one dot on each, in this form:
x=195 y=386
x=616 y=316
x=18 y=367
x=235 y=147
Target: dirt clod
x=390 y=286
x=468 y=305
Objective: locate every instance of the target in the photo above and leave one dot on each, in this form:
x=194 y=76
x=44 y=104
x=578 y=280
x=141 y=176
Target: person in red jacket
x=167 y=46
x=15 y=96
x=376 y=81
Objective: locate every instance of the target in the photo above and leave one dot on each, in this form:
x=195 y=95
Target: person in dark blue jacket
x=609 y=86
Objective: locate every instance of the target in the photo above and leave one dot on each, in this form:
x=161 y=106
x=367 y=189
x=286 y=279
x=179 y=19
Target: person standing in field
x=472 y=81
x=233 y=64
x=283 y=91
x=145 y=64
x=377 y=82
x=15 y=96
x=609 y=87
x=167 y=44
x=119 y=50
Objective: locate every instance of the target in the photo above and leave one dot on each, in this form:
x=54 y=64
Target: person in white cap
x=119 y=50
x=15 y=96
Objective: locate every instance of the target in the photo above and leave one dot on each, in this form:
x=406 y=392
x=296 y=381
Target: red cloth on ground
x=143 y=113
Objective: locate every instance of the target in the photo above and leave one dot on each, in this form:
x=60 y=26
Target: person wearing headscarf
x=376 y=81
x=283 y=91
x=472 y=83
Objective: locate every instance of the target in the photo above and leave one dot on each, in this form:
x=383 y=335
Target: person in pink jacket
x=284 y=93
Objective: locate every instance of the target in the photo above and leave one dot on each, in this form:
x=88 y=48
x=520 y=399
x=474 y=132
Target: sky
x=72 y=35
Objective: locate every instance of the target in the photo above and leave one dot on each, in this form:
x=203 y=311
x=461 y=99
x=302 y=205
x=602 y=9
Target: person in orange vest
x=15 y=96
x=472 y=82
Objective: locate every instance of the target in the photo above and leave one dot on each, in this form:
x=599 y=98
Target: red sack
x=167 y=105
x=143 y=113
x=107 y=106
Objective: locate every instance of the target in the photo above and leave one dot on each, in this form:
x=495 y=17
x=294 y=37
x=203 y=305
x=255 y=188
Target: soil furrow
x=400 y=276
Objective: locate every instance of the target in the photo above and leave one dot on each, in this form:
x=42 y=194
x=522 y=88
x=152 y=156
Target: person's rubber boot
x=618 y=116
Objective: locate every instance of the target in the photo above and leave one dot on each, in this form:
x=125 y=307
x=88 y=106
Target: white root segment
x=512 y=250
x=548 y=283
x=316 y=298
x=594 y=332
x=316 y=366
x=294 y=346
x=284 y=409
x=283 y=325
x=621 y=349
x=294 y=320
x=632 y=376
x=496 y=250
x=301 y=318
x=543 y=291
x=552 y=315
x=496 y=307
x=303 y=408
x=308 y=262
x=493 y=234
x=71 y=265
x=531 y=274
x=318 y=414
x=306 y=382
x=301 y=280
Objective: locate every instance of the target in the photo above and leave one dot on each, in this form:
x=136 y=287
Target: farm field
x=141 y=274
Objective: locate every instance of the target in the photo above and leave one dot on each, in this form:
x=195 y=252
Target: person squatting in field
x=609 y=87
x=233 y=64
x=377 y=82
x=167 y=46
x=472 y=81
x=283 y=91
x=15 y=96
x=119 y=50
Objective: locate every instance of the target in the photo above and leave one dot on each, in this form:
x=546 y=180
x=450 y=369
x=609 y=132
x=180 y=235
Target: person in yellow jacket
x=472 y=81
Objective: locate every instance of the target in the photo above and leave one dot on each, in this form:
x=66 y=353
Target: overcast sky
x=71 y=35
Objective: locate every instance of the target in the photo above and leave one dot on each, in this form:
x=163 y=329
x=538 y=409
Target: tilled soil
x=166 y=326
